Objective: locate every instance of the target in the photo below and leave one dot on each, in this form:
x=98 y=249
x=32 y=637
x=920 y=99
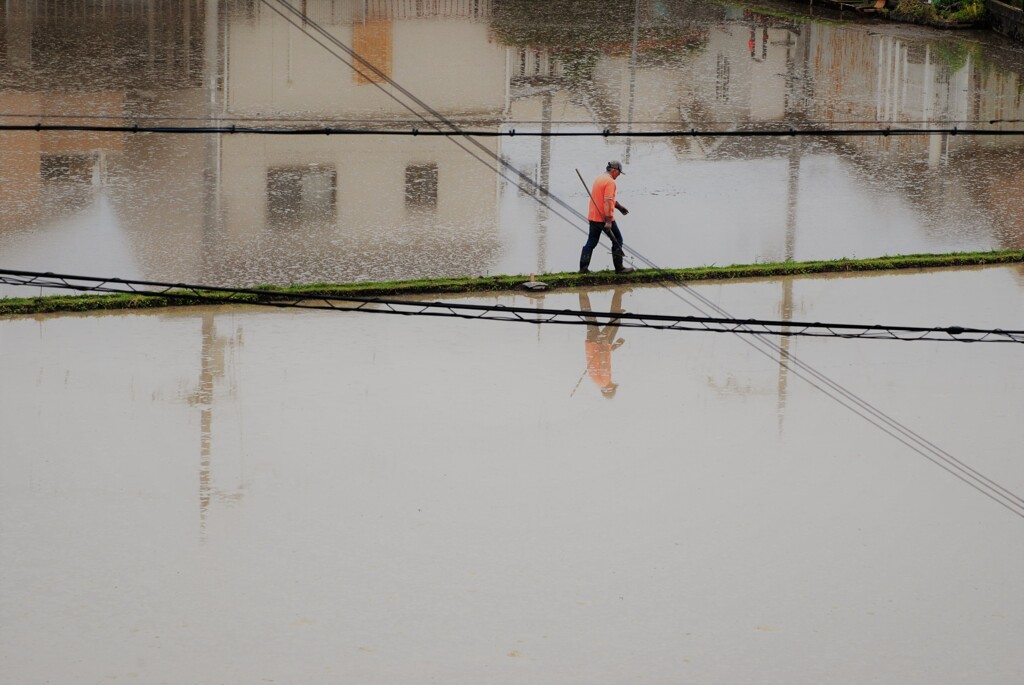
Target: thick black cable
x=960 y=124
x=513 y=133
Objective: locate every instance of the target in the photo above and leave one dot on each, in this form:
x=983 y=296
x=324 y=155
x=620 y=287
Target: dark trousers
x=594 y=237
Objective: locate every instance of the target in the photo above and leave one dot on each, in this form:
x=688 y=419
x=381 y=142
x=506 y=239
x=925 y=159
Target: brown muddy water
x=247 y=209
x=242 y=495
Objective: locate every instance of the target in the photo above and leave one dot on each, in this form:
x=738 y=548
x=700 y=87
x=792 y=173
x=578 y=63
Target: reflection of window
x=722 y=78
x=524 y=186
x=66 y=168
x=421 y=186
x=66 y=181
x=301 y=192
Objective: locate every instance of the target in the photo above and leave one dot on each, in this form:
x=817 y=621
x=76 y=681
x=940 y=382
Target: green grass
x=940 y=12
x=449 y=286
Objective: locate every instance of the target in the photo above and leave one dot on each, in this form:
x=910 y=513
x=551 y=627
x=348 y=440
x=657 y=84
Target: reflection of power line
x=212 y=367
x=792 y=189
x=545 y=182
x=632 y=75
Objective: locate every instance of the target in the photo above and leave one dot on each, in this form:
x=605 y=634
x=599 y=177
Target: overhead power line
x=476 y=120
x=532 y=315
x=512 y=132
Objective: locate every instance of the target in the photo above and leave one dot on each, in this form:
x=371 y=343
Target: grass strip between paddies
x=447 y=286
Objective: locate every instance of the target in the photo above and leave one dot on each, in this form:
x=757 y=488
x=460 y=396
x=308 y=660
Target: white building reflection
x=743 y=70
x=248 y=209
x=366 y=199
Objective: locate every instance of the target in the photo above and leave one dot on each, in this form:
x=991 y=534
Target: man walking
x=602 y=218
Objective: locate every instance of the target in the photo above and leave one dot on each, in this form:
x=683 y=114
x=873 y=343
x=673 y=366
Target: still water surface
x=246 y=209
x=221 y=495
x=242 y=495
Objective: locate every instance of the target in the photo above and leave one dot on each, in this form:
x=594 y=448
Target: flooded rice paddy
x=251 y=495
x=239 y=495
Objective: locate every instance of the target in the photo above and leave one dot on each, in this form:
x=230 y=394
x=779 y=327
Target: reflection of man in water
x=601 y=342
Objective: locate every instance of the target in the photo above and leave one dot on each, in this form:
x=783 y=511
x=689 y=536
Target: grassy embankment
x=938 y=13
x=447 y=286
x=941 y=13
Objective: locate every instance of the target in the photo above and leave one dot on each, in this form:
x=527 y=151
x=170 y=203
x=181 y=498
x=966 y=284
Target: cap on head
x=615 y=165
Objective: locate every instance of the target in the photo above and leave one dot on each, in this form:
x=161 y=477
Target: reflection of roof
x=610 y=27
x=695 y=37
x=689 y=38
x=732 y=147
x=108 y=47
x=771 y=21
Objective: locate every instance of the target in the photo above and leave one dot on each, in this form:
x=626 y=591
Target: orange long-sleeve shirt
x=603 y=191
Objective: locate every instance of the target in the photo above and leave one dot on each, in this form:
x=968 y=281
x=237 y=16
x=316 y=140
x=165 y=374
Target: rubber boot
x=617 y=261
x=585 y=261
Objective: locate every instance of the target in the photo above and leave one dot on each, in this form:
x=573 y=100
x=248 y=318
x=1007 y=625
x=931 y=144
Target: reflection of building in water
x=921 y=84
x=764 y=70
x=371 y=206
x=54 y=172
x=91 y=62
x=445 y=57
x=339 y=208
x=866 y=77
x=743 y=68
x=225 y=483
x=380 y=207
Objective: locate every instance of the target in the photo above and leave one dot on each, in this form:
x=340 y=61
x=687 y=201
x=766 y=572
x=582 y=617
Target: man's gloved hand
x=607 y=224
x=623 y=210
